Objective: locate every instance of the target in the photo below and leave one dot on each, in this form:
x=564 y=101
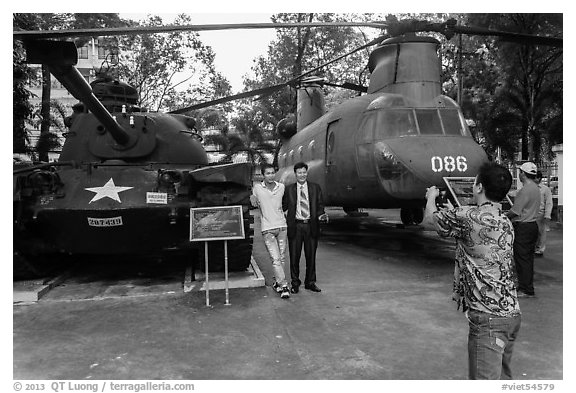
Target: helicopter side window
x=396 y=122
x=451 y=122
x=429 y=122
x=312 y=146
x=367 y=130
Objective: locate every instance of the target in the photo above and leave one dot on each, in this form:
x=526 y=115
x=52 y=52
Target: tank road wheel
x=239 y=251
x=411 y=215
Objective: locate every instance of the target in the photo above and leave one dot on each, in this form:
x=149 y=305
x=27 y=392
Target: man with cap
x=523 y=214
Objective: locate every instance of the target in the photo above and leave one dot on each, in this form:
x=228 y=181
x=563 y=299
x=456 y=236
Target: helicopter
x=383 y=148
x=380 y=149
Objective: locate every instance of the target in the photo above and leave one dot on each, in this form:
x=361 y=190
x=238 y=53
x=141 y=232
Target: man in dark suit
x=305 y=208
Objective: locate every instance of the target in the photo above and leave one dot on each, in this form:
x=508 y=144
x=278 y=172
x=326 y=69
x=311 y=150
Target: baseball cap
x=529 y=168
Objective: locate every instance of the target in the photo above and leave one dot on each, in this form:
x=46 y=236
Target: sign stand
x=206 y=274
x=226 y=272
x=216 y=223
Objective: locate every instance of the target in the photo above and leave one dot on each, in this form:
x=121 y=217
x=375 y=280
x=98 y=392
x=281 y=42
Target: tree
x=526 y=100
x=21 y=107
x=42 y=21
x=153 y=62
x=298 y=50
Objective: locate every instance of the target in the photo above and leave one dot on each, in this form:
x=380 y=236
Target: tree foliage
x=295 y=51
x=517 y=89
x=157 y=64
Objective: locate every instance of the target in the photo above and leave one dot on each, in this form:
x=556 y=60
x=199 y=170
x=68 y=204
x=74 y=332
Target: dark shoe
x=313 y=287
x=285 y=294
x=294 y=289
x=277 y=287
x=525 y=295
x=539 y=254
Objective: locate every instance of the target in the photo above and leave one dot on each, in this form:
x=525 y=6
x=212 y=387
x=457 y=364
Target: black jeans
x=525 y=237
x=302 y=237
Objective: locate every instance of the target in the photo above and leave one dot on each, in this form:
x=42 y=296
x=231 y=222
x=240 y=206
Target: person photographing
x=483 y=274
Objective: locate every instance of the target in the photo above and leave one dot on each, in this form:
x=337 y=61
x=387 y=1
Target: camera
x=442 y=199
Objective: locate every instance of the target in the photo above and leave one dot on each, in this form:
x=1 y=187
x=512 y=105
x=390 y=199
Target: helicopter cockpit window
x=451 y=122
x=393 y=123
x=429 y=122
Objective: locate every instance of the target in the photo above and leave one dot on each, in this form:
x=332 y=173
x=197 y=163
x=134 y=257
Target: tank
x=123 y=186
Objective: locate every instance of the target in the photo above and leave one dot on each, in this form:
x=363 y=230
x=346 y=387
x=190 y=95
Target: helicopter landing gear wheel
x=411 y=215
x=354 y=212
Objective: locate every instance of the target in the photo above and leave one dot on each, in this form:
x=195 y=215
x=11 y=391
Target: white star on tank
x=108 y=190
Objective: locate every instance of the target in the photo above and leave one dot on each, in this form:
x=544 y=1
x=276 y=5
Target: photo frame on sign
x=461 y=192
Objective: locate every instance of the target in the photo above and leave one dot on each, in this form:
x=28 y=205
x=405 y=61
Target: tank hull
x=130 y=210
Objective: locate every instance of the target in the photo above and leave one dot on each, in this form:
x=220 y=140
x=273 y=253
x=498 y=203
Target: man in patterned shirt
x=483 y=276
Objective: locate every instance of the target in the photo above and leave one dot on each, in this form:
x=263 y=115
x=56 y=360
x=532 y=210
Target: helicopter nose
x=430 y=159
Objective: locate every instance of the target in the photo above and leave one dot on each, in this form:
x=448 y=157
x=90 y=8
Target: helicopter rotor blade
x=272 y=89
x=348 y=86
x=511 y=37
x=263 y=91
x=450 y=27
x=116 y=31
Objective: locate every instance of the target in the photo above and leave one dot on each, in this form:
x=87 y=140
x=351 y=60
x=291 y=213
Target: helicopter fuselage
x=382 y=151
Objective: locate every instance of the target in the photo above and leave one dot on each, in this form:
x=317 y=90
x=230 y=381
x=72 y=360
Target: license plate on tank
x=105 y=222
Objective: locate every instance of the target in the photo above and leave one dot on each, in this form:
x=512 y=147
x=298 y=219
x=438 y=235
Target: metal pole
x=226 y=272
x=206 y=276
x=459 y=90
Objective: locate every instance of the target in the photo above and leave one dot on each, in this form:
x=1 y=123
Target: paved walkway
x=384 y=314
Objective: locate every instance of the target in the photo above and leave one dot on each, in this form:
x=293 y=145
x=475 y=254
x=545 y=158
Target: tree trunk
x=45 y=111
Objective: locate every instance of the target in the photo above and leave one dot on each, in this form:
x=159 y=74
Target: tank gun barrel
x=75 y=83
x=60 y=58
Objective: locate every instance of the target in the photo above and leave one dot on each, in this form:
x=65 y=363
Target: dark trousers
x=525 y=236
x=302 y=237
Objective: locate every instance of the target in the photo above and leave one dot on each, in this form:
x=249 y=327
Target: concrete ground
x=384 y=313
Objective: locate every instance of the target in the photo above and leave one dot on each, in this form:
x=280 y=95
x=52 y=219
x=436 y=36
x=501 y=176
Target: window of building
x=83 y=52
x=102 y=52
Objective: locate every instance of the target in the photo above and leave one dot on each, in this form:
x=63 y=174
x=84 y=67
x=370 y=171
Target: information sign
x=216 y=223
